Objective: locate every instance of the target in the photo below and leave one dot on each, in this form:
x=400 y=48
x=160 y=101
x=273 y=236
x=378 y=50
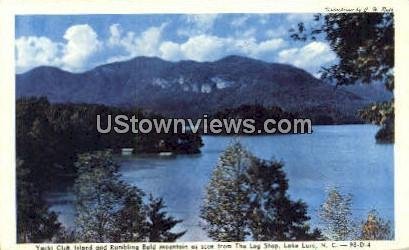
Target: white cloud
x=311 y=57
x=203 y=48
x=260 y=50
x=146 y=44
x=251 y=32
x=204 y=22
x=198 y=48
x=116 y=33
x=171 y=51
x=267 y=46
x=81 y=47
x=35 y=51
x=209 y=48
x=82 y=42
x=279 y=31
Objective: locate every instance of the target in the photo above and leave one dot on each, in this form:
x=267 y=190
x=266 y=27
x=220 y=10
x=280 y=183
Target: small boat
x=127 y=151
x=165 y=153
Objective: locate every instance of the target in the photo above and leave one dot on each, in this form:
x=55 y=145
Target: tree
x=131 y=223
x=247 y=198
x=109 y=210
x=159 y=225
x=226 y=203
x=98 y=197
x=384 y=115
x=35 y=140
x=336 y=216
x=375 y=228
x=272 y=215
x=35 y=223
x=364 y=44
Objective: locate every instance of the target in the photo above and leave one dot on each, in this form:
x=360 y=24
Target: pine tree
x=131 y=222
x=159 y=225
x=272 y=215
x=226 y=202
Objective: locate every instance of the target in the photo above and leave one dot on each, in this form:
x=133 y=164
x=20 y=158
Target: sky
x=78 y=43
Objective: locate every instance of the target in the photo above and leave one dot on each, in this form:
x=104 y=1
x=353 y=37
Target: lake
x=343 y=156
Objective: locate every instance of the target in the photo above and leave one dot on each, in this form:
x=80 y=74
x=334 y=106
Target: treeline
x=317 y=115
x=256 y=112
x=326 y=115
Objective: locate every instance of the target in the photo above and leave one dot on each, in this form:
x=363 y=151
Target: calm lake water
x=345 y=156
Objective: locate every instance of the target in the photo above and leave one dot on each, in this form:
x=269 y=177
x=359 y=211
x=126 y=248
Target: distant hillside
x=189 y=88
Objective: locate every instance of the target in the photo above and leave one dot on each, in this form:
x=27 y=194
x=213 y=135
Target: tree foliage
x=98 y=197
x=273 y=215
x=50 y=136
x=35 y=223
x=131 y=217
x=246 y=198
x=365 y=46
x=159 y=225
x=336 y=216
x=48 y=139
x=363 y=42
x=337 y=222
x=382 y=114
x=375 y=228
x=108 y=210
x=226 y=204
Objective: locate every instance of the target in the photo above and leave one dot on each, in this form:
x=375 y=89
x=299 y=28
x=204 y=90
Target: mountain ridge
x=190 y=88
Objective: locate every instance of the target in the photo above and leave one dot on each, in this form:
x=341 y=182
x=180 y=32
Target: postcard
x=204 y=125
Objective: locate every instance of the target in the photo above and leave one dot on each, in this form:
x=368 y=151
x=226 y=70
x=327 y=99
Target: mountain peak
x=46 y=68
x=237 y=58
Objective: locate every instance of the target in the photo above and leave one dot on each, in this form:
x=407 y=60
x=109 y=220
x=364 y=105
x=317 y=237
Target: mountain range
x=190 y=89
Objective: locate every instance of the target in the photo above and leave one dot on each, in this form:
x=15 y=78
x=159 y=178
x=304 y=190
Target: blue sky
x=78 y=43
